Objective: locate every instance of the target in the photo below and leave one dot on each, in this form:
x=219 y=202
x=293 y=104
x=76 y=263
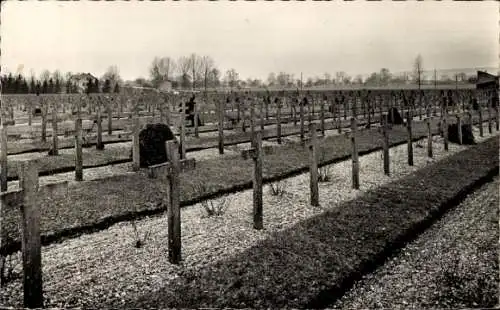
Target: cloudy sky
x=255 y=38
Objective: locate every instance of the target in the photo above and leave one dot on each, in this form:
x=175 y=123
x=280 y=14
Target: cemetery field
x=118 y=146
x=134 y=195
x=303 y=252
x=322 y=237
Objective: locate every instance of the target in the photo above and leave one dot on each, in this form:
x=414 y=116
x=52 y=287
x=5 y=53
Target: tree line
x=56 y=83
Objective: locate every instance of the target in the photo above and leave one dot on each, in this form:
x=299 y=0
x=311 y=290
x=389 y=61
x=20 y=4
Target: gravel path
x=454 y=264
x=106 y=268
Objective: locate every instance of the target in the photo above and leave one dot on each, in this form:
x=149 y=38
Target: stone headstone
x=467 y=135
x=394 y=117
x=152 y=140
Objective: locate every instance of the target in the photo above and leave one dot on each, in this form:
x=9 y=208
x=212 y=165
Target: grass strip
x=314 y=262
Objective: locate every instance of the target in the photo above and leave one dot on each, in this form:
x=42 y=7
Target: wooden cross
x=171 y=171
x=256 y=153
x=25 y=198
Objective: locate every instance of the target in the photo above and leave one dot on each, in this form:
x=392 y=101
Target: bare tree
x=339 y=77
x=207 y=64
x=183 y=65
x=328 y=78
x=195 y=66
x=232 y=78
x=161 y=70
x=358 y=79
x=112 y=74
x=271 y=79
x=418 y=70
x=214 y=77
x=45 y=75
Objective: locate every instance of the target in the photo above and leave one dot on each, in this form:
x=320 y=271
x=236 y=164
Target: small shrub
x=324 y=174
x=278 y=188
x=212 y=208
x=8 y=271
x=139 y=241
x=216 y=208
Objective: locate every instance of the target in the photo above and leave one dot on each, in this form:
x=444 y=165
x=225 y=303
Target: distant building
x=81 y=80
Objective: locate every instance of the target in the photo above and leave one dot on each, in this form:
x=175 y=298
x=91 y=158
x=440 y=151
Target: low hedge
x=314 y=262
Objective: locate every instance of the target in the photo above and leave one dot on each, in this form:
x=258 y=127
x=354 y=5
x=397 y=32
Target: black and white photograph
x=249 y=154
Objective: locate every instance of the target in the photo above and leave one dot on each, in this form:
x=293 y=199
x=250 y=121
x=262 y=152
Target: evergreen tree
x=96 y=86
x=68 y=87
x=45 y=87
x=32 y=86
x=117 y=88
x=57 y=86
x=38 y=87
x=26 y=88
x=3 y=79
x=89 y=87
x=10 y=83
x=51 y=86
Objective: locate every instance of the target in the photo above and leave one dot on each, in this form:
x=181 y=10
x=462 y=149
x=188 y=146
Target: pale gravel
x=105 y=267
x=413 y=278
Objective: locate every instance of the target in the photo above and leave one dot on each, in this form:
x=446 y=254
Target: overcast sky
x=255 y=38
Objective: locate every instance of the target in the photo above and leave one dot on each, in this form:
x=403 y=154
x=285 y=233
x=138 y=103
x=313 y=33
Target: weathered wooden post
x=78 y=149
x=369 y=116
x=497 y=118
x=174 y=211
x=355 y=159
x=301 y=111
x=459 y=125
x=30 y=242
x=3 y=157
x=261 y=111
x=171 y=171
x=445 y=132
x=339 y=119
x=44 y=123
x=490 y=127
x=410 y=137
x=252 y=117
x=429 y=137
x=310 y=109
x=195 y=120
x=278 y=122
x=322 y=117
x=313 y=165
x=256 y=154
x=266 y=102
x=480 y=112
x=220 y=127
x=30 y=112
x=99 y=144
x=109 y=111
x=55 y=150
x=385 y=144
x=182 y=133
x=136 y=161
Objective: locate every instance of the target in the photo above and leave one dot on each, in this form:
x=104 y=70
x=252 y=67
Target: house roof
x=82 y=76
